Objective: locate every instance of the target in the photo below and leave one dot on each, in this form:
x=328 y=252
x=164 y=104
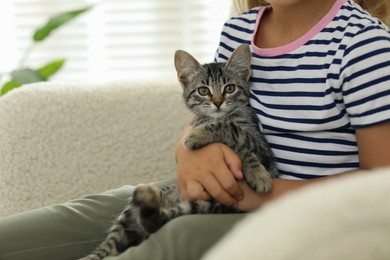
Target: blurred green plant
x=23 y=75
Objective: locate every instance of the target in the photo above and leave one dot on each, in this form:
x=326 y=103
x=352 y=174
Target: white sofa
x=347 y=218
x=61 y=141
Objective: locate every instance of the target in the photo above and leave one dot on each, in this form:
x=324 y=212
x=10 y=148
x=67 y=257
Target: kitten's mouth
x=218 y=112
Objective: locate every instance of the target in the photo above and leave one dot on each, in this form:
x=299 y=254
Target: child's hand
x=211 y=171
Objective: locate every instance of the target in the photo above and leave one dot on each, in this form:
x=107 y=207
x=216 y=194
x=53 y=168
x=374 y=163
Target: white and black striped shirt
x=311 y=95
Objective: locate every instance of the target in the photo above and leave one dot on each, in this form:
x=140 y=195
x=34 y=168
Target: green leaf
x=56 y=22
x=51 y=68
x=25 y=76
x=10 y=85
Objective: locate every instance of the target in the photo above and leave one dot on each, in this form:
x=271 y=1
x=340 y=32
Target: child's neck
x=282 y=25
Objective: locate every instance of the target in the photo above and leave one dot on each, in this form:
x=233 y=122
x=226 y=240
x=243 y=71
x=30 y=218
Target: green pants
x=71 y=230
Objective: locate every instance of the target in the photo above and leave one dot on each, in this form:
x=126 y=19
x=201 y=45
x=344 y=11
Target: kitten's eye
x=203 y=91
x=229 y=89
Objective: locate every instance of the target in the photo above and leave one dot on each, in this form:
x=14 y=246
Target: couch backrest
x=61 y=141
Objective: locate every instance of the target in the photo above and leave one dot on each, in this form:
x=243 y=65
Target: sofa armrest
x=61 y=141
x=343 y=218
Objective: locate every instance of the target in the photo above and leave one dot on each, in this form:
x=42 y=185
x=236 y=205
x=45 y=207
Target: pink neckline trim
x=302 y=40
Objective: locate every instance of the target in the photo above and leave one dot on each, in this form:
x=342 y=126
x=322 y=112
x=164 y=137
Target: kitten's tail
x=125 y=233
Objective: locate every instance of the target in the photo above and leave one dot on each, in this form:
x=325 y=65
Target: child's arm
x=374 y=152
x=220 y=162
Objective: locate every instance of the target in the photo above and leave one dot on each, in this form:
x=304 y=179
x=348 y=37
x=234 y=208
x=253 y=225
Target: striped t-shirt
x=312 y=94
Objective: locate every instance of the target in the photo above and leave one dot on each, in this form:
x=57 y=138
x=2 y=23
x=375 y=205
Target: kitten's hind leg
x=148 y=199
x=256 y=175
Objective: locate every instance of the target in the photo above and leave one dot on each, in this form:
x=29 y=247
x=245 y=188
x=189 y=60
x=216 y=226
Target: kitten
x=218 y=94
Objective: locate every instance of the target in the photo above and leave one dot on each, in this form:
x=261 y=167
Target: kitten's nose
x=217 y=100
x=217 y=103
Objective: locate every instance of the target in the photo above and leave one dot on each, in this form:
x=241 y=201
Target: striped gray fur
x=218 y=94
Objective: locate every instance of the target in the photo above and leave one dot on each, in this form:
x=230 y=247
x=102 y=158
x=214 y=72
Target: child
x=321 y=89
x=320 y=81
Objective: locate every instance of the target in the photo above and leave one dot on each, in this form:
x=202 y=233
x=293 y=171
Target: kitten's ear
x=186 y=66
x=240 y=62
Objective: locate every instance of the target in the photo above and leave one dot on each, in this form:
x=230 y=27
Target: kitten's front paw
x=147 y=198
x=263 y=185
x=190 y=142
x=259 y=179
x=198 y=138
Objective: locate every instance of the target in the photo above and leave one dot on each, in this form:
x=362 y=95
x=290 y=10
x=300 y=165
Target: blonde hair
x=245 y=5
x=377 y=8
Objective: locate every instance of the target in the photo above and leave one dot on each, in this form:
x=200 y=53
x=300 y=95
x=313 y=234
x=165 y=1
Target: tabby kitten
x=218 y=94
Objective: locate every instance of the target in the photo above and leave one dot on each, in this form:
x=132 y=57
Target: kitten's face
x=215 y=89
x=215 y=93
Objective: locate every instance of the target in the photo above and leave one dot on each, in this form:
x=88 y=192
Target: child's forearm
x=253 y=200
